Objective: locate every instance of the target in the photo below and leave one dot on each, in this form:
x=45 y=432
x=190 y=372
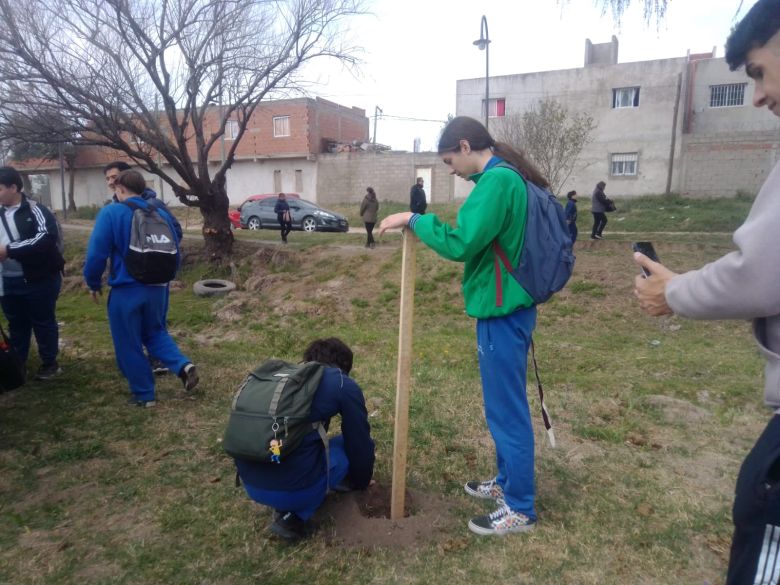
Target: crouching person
x=138 y=278
x=295 y=484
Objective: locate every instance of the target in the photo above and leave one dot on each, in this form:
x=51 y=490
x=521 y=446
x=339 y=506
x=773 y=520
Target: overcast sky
x=415 y=50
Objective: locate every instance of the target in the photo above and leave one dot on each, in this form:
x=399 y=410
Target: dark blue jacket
x=571 y=211
x=37 y=247
x=281 y=206
x=304 y=467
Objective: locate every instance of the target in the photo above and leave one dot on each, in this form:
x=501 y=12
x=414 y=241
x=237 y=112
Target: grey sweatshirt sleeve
x=744 y=284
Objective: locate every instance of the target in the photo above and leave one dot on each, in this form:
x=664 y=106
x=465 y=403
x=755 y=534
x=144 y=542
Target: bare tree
x=143 y=77
x=27 y=139
x=551 y=135
x=654 y=10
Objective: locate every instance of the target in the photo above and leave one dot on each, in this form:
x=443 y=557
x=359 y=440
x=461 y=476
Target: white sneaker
x=503 y=521
x=485 y=490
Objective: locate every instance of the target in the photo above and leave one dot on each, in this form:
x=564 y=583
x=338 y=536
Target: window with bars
x=281 y=126
x=496 y=108
x=623 y=164
x=625 y=97
x=231 y=129
x=727 y=94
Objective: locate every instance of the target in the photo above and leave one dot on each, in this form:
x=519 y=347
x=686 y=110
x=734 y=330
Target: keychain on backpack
x=276 y=450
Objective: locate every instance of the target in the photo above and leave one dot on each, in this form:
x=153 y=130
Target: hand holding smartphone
x=647 y=249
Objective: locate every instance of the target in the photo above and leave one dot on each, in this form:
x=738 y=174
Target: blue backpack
x=546 y=260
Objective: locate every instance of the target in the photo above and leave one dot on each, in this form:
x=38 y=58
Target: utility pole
x=62 y=182
x=377 y=111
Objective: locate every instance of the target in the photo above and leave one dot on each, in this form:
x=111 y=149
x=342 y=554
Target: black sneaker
x=503 y=521
x=158 y=368
x=141 y=403
x=189 y=377
x=48 y=371
x=289 y=526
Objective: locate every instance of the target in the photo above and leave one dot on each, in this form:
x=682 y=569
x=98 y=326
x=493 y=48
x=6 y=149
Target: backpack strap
x=324 y=437
x=545 y=413
x=500 y=254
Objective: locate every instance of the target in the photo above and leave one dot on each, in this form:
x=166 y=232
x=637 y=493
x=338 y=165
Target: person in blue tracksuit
x=136 y=311
x=298 y=487
x=571 y=214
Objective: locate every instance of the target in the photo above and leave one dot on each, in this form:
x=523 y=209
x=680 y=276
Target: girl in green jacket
x=506 y=315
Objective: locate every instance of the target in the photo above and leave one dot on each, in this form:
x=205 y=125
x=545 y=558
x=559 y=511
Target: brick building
x=278 y=152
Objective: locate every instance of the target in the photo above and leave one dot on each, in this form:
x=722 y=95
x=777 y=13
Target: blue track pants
x=136 y=315
x=304 y=502
x=503 y=343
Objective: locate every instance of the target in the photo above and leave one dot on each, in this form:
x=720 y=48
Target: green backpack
x=269 y=416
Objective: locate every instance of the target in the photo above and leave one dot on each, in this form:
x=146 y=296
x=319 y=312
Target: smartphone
x=647 y=249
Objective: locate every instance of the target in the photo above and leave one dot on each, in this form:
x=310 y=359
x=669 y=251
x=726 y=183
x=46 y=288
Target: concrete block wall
x=721 y=167
x=343 y=177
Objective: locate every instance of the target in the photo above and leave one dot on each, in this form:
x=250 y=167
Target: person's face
x=763 y=66
x=420 y=182
x=9 y=195
x=461 y=161
x=282 y=197
x=111 y=176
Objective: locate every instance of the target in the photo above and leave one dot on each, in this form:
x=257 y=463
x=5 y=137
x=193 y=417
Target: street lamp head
x=482 y=43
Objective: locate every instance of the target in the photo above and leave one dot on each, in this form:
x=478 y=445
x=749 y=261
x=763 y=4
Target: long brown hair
x=465 y=128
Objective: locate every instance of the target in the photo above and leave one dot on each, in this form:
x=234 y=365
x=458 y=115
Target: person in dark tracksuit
x=368 y=213
x=31 y=272
x=296 y=489
x=136 y=311
x=744 y=284
x=283 y=216
x=571 y=214
x=598 y=207
x=494 y=211
x=418 y=203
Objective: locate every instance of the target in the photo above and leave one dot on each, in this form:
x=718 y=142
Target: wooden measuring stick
x=403 y=376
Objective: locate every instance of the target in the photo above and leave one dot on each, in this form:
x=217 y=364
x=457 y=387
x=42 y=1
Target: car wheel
x=253 y=223
x=213 y=287
x=309 y=224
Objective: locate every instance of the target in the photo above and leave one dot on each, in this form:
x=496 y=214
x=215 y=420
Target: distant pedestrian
x=571 y=214
x=283 y=216
x=368 y=213
x=417 y=200
x=598 y=207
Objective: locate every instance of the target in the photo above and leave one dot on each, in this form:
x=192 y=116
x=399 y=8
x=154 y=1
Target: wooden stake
x=403 y=377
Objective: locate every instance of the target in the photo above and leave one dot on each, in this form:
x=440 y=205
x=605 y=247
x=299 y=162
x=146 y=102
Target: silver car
x=306 y=216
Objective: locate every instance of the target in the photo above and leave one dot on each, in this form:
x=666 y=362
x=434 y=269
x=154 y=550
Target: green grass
x=637 y=491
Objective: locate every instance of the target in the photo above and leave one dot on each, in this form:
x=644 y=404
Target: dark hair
x=133 y=181
x=371 y=190
x=601 y=185
x=281 y=195
x=570 y=194
x=465 y=128
x=119 y=165
x=10 y=176
x=760 y=24
x=331 y=352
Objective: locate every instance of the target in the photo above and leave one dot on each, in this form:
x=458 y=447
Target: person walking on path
x=495 y=211
x=31 y=270
x=417 y=201
x=598 y=207
x=136 y=311
x=283 y=216
x=368 y=213
x=719 y=291
x=571 y=214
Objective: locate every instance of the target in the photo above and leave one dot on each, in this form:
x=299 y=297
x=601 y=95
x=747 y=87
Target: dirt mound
x=361 y=519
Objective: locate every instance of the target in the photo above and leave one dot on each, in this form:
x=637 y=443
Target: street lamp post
x=483 y=42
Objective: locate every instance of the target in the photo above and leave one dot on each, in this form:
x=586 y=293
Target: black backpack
x=153 y=254
x=269 y=415
x=12 y=372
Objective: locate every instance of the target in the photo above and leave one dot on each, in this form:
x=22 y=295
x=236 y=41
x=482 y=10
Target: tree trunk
x=216 y=226
x=71 y=185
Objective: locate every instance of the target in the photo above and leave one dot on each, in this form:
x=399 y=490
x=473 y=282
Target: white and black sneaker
x=503 y=521
x=189 y=377
x=485 y=490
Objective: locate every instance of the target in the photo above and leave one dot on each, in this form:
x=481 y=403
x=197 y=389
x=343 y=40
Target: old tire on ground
x=213 y=287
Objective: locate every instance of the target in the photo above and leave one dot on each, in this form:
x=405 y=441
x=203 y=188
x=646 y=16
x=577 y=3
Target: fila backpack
x=153 y=254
